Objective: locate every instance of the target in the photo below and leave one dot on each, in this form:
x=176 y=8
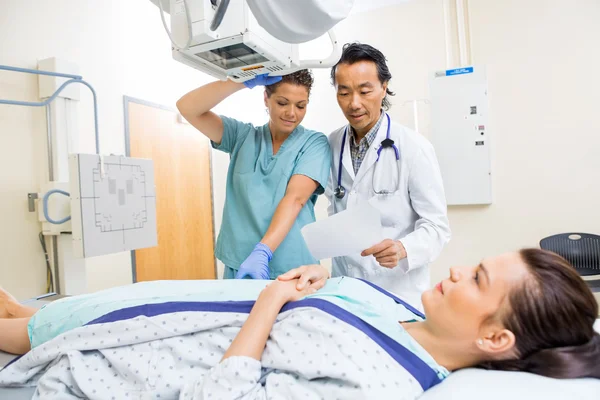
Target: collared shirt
x=358 y=151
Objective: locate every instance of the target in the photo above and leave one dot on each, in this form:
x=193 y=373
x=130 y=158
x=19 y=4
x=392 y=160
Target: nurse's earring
x=480 y=342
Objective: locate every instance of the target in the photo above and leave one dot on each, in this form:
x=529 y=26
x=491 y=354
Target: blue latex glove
x=262 y=80
x=256 y=265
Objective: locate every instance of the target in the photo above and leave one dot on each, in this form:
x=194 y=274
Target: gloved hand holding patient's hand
x=256 y=265
x=308 y=276
x=262 y=80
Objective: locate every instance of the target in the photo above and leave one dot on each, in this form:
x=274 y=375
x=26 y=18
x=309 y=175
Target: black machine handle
x=219 y=13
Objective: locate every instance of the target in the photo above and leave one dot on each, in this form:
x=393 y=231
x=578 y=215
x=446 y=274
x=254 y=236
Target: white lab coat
x=415 y=213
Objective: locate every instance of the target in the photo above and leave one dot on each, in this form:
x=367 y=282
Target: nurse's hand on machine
x=309 y=276
x=262 y=80
x=387 y=253
x=256 y=266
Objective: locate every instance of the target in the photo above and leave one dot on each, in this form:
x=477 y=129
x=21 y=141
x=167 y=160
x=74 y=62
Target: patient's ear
x=496 y=342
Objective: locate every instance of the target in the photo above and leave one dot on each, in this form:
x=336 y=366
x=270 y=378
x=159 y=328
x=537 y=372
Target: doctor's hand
x=262 y=80
x=387 y=253
x=256 y=265
x=309 y=276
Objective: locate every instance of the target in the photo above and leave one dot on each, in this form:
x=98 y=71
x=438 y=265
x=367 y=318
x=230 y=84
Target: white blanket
x=310 y=354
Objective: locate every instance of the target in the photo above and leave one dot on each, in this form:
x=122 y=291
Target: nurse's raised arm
x=195 y=106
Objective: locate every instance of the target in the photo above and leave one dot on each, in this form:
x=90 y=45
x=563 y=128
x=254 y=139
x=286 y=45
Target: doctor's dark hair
x=551 y=313
x=355 y=52
x=300 y=78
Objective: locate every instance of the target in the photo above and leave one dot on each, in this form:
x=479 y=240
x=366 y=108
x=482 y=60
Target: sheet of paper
x=348 y=232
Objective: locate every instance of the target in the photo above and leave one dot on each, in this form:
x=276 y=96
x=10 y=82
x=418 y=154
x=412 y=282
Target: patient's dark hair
x=301 y=78
x=552 y=314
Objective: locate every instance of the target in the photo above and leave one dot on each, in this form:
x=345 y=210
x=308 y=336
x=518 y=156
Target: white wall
x=544 y=89
x=542 y=60
x=121 y=49
x=541 y=57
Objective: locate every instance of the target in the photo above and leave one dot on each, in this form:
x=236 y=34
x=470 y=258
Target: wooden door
x=184 y=210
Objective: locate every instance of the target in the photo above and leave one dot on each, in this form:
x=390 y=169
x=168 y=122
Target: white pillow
x=477 y=384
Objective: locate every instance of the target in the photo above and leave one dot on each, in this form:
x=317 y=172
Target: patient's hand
x=308 y=276
x=281 y=292
x=251 y=340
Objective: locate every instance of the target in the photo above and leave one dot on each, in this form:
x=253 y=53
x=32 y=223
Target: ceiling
x=359 y=5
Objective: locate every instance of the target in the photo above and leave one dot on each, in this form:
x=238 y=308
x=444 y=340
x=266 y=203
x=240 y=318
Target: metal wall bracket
x=31 y=198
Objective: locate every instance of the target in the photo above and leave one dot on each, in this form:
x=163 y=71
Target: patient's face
x=460 y=305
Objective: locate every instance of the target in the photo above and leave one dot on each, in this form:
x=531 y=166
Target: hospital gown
x=165 y=340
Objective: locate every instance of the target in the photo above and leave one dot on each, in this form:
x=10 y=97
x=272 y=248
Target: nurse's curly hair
x=300 y=78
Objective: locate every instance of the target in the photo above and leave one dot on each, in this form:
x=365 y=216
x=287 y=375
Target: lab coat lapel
x=371 y=155
x=347 y=158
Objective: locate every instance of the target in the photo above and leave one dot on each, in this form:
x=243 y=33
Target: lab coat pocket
x=391 y=208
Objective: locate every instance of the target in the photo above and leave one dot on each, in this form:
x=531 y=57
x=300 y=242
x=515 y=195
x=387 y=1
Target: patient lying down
x=304 y=336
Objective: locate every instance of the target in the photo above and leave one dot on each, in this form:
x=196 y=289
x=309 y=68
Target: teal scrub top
x=256 y=183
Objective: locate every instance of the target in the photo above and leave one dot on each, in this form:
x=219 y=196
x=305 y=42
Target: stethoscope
x=340 y=191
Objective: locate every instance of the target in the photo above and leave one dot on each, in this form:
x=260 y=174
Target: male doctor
x=395 y=169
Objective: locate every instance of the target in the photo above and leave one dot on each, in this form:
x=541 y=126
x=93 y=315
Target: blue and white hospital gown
x=257 y=181
x=165 y=340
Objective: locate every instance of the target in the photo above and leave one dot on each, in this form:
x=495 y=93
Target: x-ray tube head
x=240 y=48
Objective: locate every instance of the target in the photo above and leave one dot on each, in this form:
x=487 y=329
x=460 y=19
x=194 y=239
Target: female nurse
x=276 y=172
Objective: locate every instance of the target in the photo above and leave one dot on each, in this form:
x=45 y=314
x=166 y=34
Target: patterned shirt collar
x=370 y=136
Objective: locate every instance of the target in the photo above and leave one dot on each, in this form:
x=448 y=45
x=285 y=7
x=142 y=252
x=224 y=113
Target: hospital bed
x=468 y=384
x=5 y=358
x=13 y=393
